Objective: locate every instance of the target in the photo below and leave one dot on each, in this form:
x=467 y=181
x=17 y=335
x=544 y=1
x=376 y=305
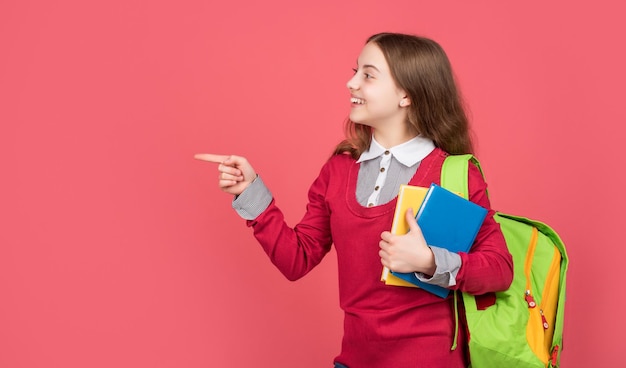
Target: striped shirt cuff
x=253 y=200
x=448 y=266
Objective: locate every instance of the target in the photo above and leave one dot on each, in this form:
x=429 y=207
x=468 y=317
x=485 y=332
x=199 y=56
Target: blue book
x=449 y=221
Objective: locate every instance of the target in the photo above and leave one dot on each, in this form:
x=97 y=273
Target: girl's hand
x=407 y=253
x=235 y=172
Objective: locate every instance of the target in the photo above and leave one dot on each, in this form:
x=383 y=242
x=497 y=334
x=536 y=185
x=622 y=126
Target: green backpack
x=524 y=328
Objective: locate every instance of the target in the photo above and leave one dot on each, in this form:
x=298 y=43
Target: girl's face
x=376 y=100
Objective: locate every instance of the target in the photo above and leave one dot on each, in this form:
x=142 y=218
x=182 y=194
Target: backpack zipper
x=549 y=301
x=534 y=331
x=552 y=282
x=539 y=331
x=532 y=245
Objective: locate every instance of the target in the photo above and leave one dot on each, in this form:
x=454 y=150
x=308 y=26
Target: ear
x=405 y=101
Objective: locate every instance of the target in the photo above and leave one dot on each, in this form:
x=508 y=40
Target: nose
x=352 y=83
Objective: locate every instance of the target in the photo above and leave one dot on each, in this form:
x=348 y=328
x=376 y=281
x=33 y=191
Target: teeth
x=357 y=101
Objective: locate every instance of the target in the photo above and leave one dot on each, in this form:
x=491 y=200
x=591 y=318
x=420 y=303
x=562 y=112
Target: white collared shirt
x=383 y=170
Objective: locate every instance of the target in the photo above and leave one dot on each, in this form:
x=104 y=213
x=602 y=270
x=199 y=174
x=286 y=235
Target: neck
x=392 y=138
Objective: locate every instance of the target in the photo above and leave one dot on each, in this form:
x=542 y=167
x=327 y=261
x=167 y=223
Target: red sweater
x=384 y=326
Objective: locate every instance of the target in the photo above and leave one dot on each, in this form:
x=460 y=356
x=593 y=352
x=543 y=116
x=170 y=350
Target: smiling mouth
x=357 y=101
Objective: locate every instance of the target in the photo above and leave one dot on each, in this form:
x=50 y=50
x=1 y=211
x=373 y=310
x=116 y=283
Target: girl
x=405 y=118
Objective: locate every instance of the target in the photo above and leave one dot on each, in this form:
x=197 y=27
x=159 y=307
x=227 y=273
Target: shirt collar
x=408 y=153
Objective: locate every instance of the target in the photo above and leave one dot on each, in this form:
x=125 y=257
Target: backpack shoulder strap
x=454 y=177
x=454 y=173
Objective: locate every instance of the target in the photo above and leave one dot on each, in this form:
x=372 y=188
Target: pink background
x=117 y=249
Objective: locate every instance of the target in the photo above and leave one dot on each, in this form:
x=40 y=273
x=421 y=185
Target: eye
x=365 y=75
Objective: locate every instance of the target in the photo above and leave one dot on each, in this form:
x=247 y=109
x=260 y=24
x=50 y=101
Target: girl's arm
x=294 y=251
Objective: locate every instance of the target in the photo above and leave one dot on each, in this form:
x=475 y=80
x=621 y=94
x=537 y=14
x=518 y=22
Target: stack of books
x=446 y=219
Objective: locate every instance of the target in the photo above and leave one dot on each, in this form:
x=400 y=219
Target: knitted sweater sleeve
x=488 y=266
x=296 y=251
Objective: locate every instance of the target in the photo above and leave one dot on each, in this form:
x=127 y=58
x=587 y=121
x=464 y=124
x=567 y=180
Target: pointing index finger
x=210 y=157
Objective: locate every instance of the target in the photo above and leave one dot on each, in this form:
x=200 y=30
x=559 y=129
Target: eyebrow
x=369 y=66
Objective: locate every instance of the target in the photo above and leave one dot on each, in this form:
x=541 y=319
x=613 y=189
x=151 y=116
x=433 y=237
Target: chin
x=358 y=120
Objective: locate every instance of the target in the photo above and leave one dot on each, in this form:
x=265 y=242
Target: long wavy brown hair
x=421 y=68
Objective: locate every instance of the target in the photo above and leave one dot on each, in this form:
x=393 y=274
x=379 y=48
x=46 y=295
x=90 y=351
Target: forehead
x=372 y=55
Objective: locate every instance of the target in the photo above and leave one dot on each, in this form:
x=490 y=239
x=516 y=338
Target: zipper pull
x=555 y=355
x=530 y=300
x=544 y=320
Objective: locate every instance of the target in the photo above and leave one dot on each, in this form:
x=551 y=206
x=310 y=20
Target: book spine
x=421 y=209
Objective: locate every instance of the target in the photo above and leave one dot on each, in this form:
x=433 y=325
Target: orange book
x=409 y=196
